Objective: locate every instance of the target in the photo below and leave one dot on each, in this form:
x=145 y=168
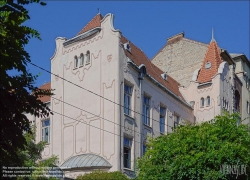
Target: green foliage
x=198 y=151
x=31 y=156
x=15 y=90
x=103 y=175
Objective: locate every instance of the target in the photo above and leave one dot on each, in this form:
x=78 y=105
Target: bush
x=103 y=175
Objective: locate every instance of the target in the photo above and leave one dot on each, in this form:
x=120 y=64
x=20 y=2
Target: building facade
x=242 y=71
x=184 y=60
x=108 y=98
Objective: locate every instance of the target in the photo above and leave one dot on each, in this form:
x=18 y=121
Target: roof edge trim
x=112 y=17
x=82 y=36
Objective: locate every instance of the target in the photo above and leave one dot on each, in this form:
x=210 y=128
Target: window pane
x=127 y=142
x=127 y=157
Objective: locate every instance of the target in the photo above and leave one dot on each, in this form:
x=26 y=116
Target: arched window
x=88 y=57
x=208 y=101
x=81 y=59
x=202 y=102
x=237 y=101
x=75 y=62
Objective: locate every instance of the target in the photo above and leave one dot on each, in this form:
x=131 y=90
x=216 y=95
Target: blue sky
x=147 y=24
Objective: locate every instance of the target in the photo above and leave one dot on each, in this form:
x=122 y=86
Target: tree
x=16 y=97
x=205 y=151
x=103 y=175
x=31 y=157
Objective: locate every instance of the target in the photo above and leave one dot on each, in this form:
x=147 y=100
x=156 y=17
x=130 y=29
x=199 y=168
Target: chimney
x=175 y=38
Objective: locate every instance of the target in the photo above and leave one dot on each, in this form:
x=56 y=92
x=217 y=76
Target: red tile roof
x=212 y=56
x=45 y=86
x=93 y=23
x=138 y=57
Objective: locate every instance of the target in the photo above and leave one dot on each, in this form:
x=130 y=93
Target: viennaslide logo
x=236 y=170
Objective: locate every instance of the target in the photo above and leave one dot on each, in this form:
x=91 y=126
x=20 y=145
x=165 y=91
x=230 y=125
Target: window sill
x=75 y=68
x=80 y=66
x=129 y=116
x=87 y=63
x=163 y=133
x=147 y=125
x=128 y=169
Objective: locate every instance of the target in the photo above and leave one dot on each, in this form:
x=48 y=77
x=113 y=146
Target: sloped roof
x=45 y=86
x=93 y=23
x=212 y=56
x=138 y=57
x=85 y=161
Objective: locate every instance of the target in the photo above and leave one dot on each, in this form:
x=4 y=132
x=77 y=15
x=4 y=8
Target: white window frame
x=127 y=143
x=45 y=127
x=162 y=119
x=127 y=99
x=146 y=110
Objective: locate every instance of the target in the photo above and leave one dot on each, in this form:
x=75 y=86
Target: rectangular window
x=127 y=99
x=162 y=119
x=127 y=153
x=176 y=120
x=144 y=148
x=146 y=110
x=46 y=130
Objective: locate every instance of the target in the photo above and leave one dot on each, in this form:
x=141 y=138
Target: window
x=75 y=62
x=202 y=102
x=162 y=119
x=88 y=57
x=46 y=130
x=248 y=107
x=208 y=101
x=127 y=99
x=237 y=101
x=127 y=152
x=144 y=148
x=81 y=59
x=176 y=120
x=146 y=112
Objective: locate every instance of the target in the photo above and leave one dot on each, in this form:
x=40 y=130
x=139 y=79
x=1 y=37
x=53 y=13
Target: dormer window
x=81 y=59
x=127 y=46
x=87 y=57
x=208 y=65
x=75 y=62
x=164 y=76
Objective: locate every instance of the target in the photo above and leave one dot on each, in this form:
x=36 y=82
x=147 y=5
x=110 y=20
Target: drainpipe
x=142 y=73
x=121 y=140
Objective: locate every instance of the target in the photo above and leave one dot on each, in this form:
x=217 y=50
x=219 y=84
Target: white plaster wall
x=91 y=125
x=220 y=88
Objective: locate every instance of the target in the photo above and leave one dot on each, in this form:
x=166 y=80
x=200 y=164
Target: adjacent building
x=196 y=66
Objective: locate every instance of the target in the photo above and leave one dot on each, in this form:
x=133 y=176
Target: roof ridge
x=195 y=41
